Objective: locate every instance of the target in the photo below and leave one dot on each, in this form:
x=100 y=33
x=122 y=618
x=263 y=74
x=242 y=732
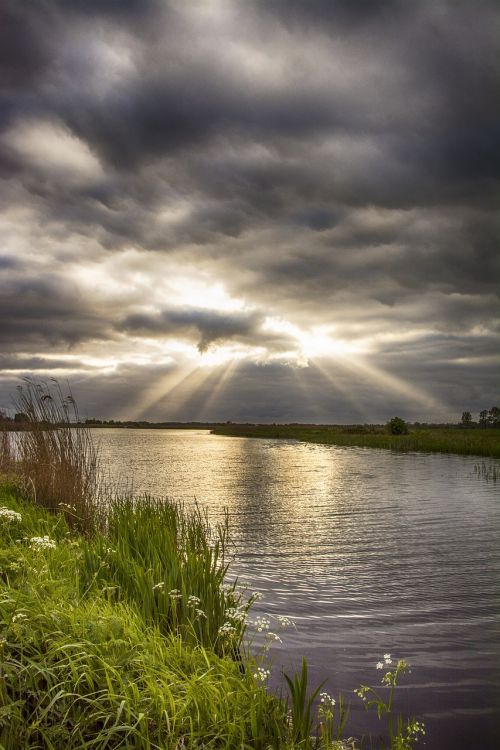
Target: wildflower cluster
x=42 y=542
x=325 y=714
x=175 y=594
x=284 y=622
x=10 y=515
x=193 y=601
x=327 y=700
x=261 y=674
x=236 y=614
x=386 y=662
x=159 y=586
x=227 y=630
x=262 y=623
x=414 y=728
x=200 y=614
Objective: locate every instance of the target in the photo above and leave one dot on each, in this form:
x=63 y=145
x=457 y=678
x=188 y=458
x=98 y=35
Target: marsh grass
x=479 y=442
x=58 y=463
x=171 y=565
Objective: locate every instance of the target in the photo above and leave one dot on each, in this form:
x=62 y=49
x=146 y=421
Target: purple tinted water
x=368 y=551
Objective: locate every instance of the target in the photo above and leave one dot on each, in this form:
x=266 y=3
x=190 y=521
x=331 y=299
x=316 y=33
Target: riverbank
x=124 y=638
x=132 y=635
x=474 y=442
x=120 y=625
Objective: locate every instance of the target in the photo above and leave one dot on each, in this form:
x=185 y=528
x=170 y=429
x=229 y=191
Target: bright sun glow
x=312 y=343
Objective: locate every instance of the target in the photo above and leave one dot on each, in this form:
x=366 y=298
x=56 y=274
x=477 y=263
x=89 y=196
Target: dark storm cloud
x=25 y=365
x=38 y=312
x=330 y=162
x=337 y=13
x=209 y=326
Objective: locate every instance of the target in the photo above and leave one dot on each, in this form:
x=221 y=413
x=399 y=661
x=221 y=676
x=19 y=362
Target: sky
x=259 y=210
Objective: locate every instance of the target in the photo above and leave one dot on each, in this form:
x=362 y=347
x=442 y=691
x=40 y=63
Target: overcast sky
x=269 y=210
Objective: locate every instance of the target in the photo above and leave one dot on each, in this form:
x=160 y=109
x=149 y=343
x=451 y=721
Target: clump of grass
x=58 y=463
x=172 y=566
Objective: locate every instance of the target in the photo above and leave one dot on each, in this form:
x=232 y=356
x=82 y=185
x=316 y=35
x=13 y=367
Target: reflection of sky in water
x=367 y=550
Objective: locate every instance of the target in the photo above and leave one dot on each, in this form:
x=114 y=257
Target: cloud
x=209 y=325
x=334 y=165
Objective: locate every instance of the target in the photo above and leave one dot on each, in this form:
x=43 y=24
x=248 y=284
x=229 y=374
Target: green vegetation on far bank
x=478 y=442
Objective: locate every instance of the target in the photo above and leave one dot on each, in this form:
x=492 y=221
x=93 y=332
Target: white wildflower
x=327 y=700
x=10 y=515
x=387 y=659
x=262 y=623
x=284 y=622
x=237 y=614
x=200 y=614
x=193 y=601
x=175 y=594
x=261 y=674
x=42 y=542
x=160 y=586
x=227 y=629
x=380 y=665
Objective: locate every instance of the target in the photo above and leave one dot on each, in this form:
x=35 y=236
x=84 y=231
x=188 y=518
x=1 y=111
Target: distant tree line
x=487 y=418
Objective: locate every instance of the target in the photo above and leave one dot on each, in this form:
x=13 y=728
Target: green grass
x=478 y=442
x=91 y=660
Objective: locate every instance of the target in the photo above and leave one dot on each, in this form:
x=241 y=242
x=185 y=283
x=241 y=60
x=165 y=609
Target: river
x=369 y=551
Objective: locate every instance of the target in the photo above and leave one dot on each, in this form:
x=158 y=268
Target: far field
x=478 y=442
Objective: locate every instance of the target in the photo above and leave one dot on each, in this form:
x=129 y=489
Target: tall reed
x=56 y=458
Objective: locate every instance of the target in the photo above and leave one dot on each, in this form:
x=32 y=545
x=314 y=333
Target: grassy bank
x=478 y=442
x=118 y=640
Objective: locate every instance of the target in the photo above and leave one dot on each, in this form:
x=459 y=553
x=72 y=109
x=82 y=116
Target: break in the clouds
x=275 y=210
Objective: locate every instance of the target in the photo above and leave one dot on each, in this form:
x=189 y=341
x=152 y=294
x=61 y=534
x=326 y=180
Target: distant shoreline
x=423 y=438
x=484 y=442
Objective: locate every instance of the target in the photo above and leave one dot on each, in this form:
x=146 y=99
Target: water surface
x=368 y=551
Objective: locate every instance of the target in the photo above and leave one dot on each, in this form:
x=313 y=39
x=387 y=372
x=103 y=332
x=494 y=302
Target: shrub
x=397 y=426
